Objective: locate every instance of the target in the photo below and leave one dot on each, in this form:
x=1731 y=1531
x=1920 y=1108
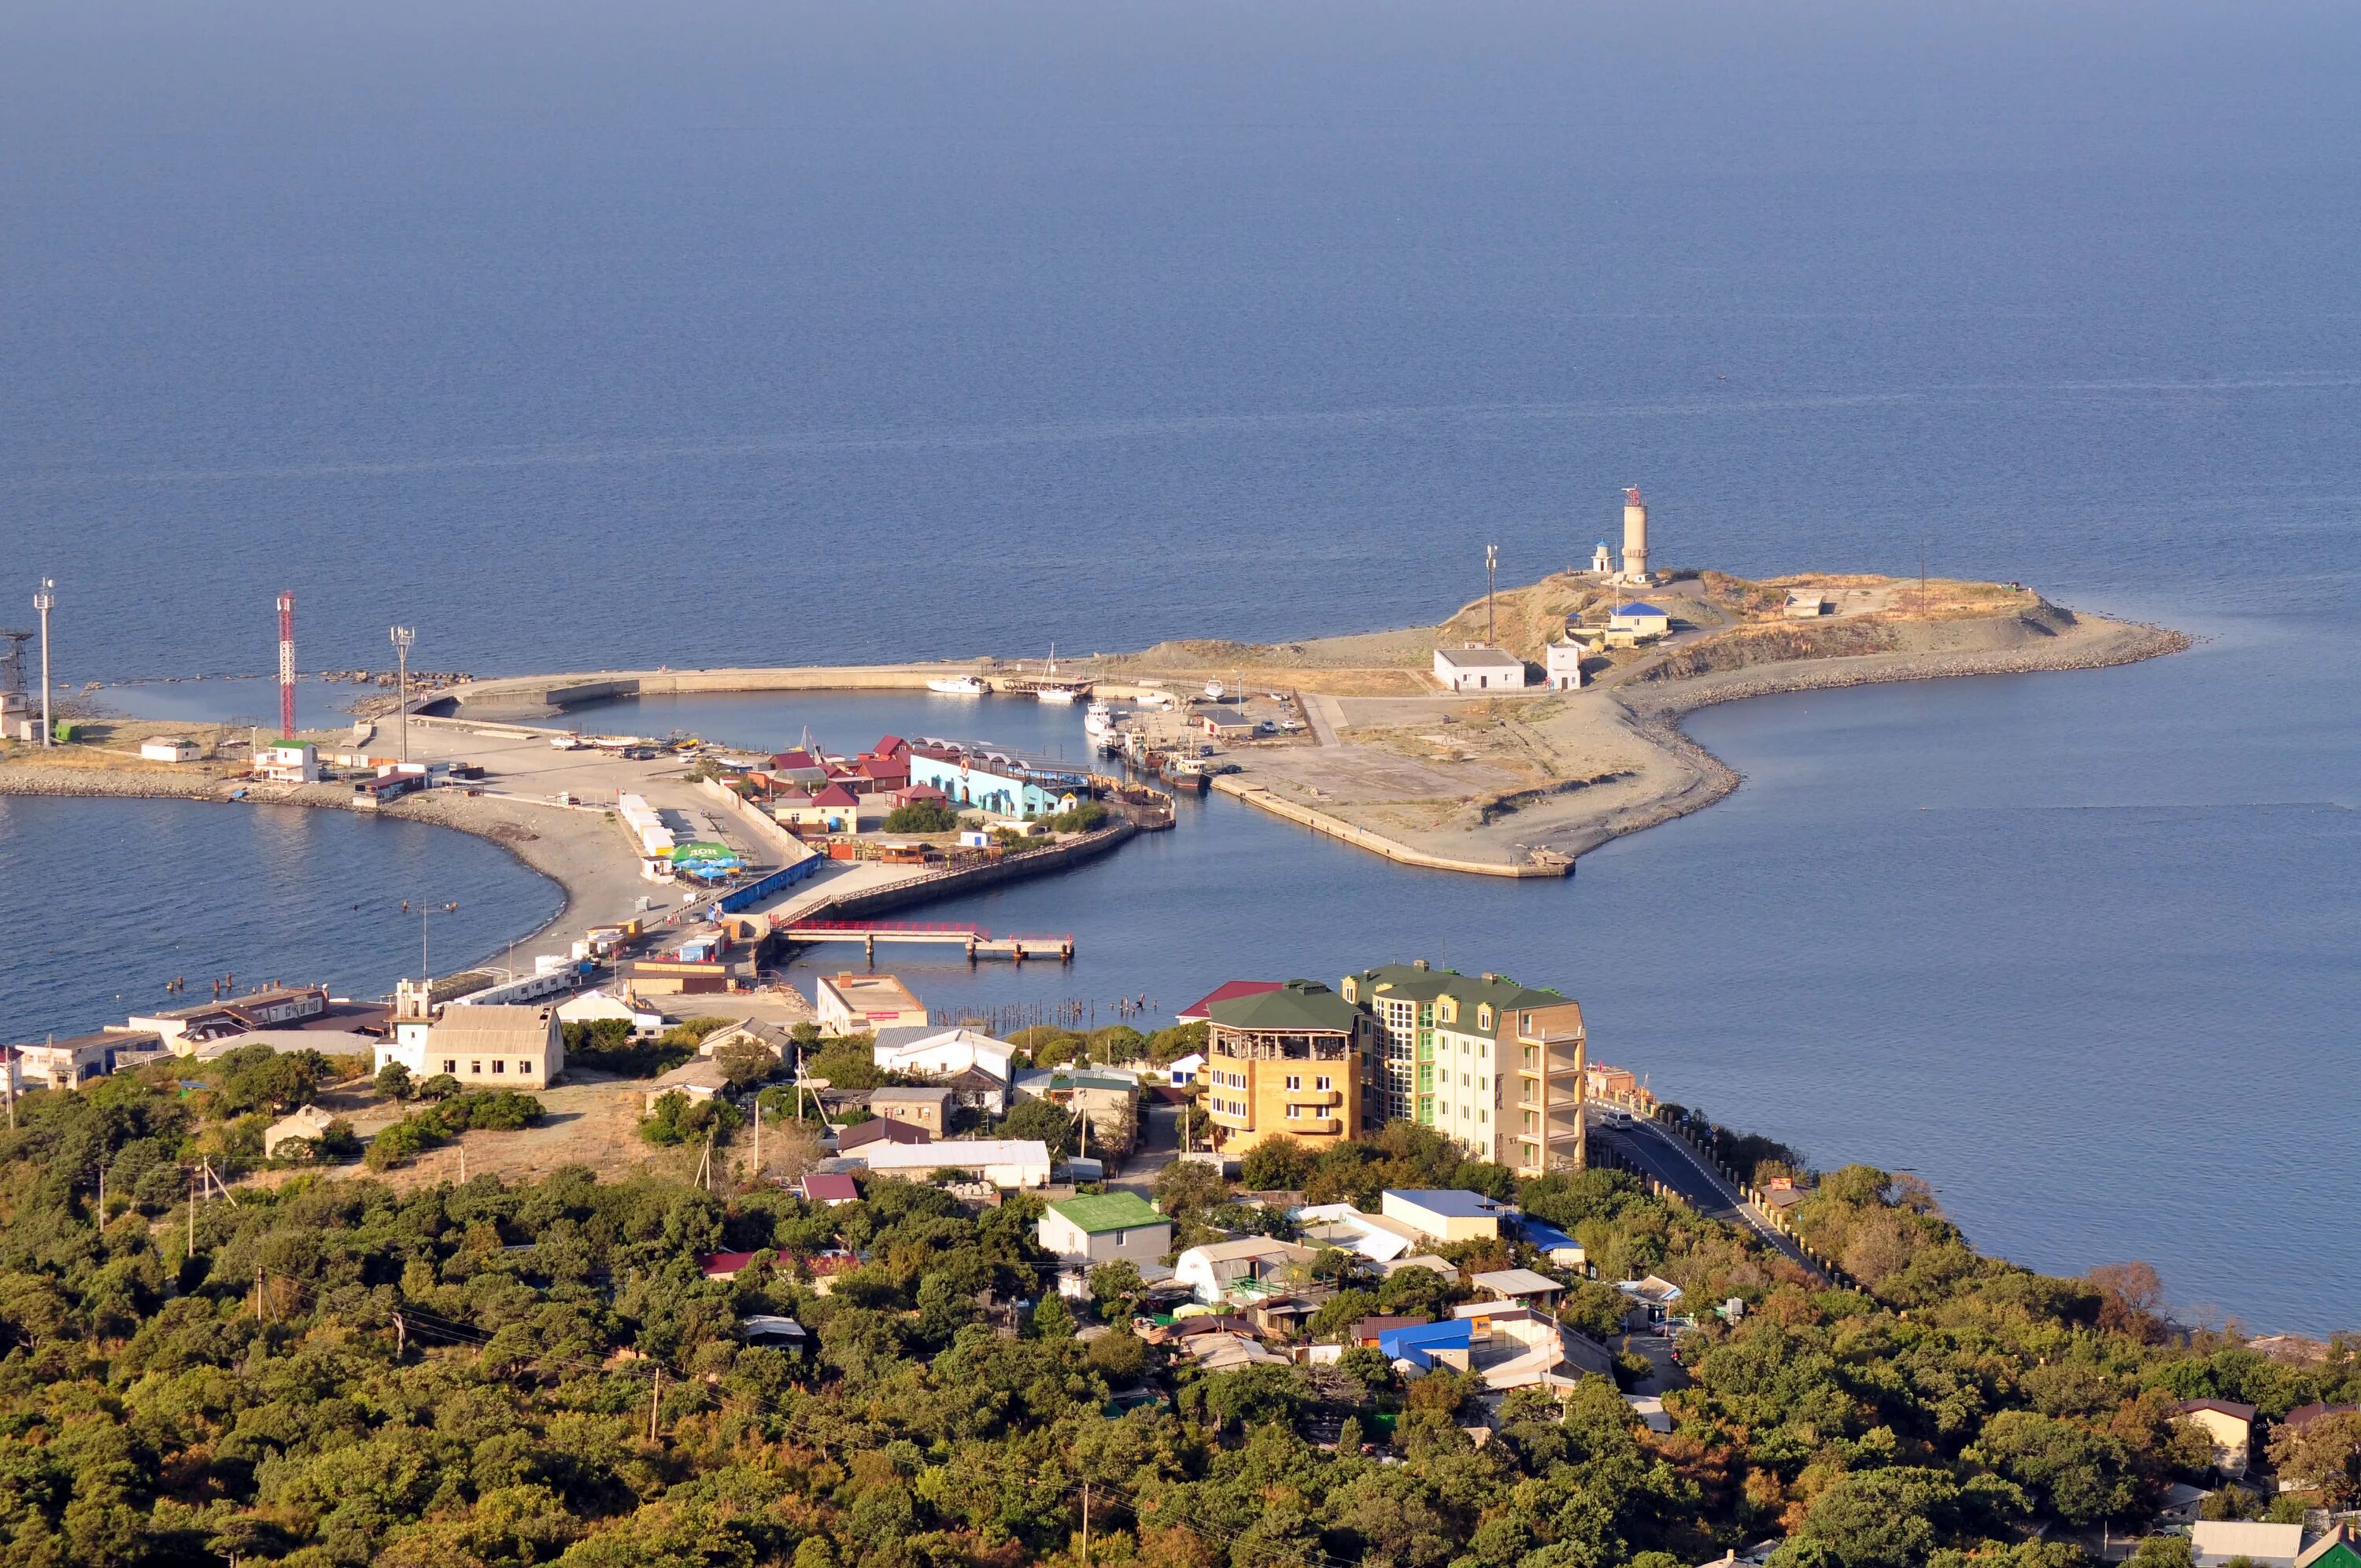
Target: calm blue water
x=110 y=899
x=780 y=334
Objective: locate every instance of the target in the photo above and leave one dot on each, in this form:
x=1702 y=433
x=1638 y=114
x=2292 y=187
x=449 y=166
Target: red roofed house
x=880 y=1129
x=884 y=773
x=722 y=1265
x=1201 y=1010
x=833 y=811
x=831 y=1187
x=889 y=746
x=910 y=794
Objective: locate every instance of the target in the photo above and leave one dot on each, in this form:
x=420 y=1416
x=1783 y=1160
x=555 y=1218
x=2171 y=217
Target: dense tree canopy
x=340 y=1371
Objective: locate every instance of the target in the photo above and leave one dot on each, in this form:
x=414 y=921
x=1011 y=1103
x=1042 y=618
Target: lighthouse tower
x=1635 y=536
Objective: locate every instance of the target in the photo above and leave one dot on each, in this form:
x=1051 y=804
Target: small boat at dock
x=1215 y=691
x=1098 y=720
x=957 y=685
x=1060 y=692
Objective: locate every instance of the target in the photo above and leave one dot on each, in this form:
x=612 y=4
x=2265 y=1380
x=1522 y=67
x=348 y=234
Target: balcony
x=1313 y=1096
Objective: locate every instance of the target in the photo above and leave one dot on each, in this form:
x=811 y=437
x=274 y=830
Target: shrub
x=922 y=817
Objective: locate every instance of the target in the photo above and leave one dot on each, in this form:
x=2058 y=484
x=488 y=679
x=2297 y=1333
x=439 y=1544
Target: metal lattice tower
x=287 y=667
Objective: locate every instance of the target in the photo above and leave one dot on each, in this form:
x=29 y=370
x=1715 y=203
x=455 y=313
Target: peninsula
x=1503 y=783
x=1356 y=737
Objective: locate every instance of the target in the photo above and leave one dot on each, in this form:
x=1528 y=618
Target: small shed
x=309 y=1122
x=696 y=1080
x=170 y=748
x=1521 y=1286
x=769 y=1329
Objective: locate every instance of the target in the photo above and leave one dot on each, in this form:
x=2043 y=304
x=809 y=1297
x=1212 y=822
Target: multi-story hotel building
x=1496 y=1066
x=1285 y=1062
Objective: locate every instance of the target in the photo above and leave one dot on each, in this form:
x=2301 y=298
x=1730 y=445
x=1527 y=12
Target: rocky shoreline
x=2138 y=643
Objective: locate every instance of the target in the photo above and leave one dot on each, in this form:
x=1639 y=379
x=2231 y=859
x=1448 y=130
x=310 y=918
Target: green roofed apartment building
x=1287 y=1062
x=1495 y=1066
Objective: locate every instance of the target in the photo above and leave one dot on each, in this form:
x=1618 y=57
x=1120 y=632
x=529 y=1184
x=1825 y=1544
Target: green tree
x=922 y=817
x=1121 y=1354
x=2322 y=1456
x=1118 y=1290
x=1277 y=1165
x=395 y=1082
x=1051 y=1320
x=1048 y=1121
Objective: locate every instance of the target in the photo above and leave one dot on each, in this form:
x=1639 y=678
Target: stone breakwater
x=37 y=778
x=2135 y=643
x=1658 y=715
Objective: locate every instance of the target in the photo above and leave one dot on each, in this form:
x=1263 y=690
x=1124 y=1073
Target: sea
x=785 y=334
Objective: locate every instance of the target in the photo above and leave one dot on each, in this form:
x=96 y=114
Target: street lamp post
x=42 y=602
x=404 y=637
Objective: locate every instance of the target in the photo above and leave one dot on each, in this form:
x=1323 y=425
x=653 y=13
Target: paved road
x=1160 y=1145
x=1664 y=1156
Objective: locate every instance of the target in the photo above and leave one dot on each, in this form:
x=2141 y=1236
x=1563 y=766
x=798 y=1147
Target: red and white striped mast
x=287 y=667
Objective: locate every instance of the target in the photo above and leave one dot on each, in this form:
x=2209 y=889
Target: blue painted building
x=1001 y=788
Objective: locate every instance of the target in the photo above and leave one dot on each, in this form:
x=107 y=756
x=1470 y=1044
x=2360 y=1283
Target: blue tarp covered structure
x=1416 y=1343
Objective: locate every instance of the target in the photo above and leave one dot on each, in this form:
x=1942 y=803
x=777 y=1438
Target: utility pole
x=758 y=1137
x=1491 y=563
x=654 y=1394
x=43 y=601
x=404 y=637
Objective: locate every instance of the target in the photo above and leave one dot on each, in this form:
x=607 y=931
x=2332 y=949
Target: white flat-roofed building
x=1003 y=1162
x=170 y=748
x=853 y=1004
x=1480 y=669
x=1563 y=663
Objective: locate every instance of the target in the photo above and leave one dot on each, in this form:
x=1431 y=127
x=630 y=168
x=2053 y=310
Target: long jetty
x=977 y=942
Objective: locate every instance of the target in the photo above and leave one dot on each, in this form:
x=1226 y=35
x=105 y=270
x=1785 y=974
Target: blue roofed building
x=1427 y=1345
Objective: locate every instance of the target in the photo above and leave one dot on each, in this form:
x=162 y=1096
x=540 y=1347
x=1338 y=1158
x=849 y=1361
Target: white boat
x=957 y=685
x=1059 y=694
x=1098 y=720
x=1215 y=691
x=1160 y=701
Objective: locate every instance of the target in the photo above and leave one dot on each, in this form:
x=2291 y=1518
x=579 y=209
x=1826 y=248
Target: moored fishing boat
x=957 y=685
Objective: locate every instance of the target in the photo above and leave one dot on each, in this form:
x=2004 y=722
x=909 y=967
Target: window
x=476 y=1069
x=1482 y=1116
x=1324 y=1082
x=499 y=1066
x=1463 y=1081
x=450 y=1066
x=1484 y=1016
x=1294 y=1113
x=1295 y=1080
x=524 y=1069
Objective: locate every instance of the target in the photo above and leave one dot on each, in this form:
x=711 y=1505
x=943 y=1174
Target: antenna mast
x=287 y=667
